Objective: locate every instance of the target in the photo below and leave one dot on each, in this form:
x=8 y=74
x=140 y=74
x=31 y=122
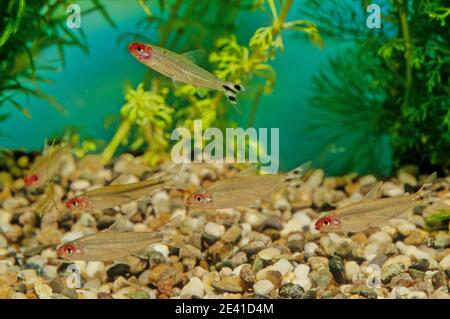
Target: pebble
x=229 y=284
x=3 y=241
x=321 y=277
x=302 y=271
x=445 y=263
x=352 y=271
x=283 y=266
x=162 y=249
x=253 y=247
x=405 y=228
x=318 y=262
x=311 y=248
x=442 y=240
x=232 y=235
x=337 y=268
x=394 y=266
x=263 y=287
x=291 y=291
x=80 y=185
x=118 y=270
x=416 y=238
x=416 y=253
x=13 y=203
x=161 y=202
x=43 y=291
x=392 y=190
x=268 y=253
x=246 y=274
x=193 y=288
x=421 y=264
x=214 y=229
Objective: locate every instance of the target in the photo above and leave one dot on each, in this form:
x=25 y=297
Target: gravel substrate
x=267 y=251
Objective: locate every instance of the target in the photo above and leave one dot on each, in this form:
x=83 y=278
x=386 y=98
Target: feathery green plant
x=392 y=86
x=26 y=29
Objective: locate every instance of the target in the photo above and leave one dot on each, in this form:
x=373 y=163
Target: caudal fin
x=231 y=90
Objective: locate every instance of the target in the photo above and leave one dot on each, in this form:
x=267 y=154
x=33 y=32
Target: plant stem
x=408 y=46
x=252 y=116
x=118 y=137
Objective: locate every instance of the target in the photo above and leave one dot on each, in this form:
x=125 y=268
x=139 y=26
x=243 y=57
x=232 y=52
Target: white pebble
x=302 y=271
x=413 y=251
x=283 y=266
x=214 y=229
x=380 y=237
x=80 y=185
x=94 y=267
x=162 y=249
x=161 y=202
x=72 y=235
x=194 y=287
x=304 y=282
x=263 y=287
x=311 y=248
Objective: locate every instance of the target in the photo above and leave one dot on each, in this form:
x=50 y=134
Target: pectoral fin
x=176 y=83
x=201 y=91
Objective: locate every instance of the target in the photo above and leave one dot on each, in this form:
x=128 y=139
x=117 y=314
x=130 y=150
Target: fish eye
x=75 y=203
x=326 y=222
x=198 y=198
x=34 y=178
x=139 y=49
x=69 y=250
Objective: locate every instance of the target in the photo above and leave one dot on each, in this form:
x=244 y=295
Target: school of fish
x=243 y=190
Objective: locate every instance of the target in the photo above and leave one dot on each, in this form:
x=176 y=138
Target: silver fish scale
x=181 y=69
x=384 y=206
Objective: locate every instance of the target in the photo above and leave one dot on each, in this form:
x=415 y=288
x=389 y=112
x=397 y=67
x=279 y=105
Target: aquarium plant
x=390 y=87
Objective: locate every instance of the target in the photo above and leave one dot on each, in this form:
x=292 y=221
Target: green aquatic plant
x=391 y=88
x=26 y=29
x=438 y=220
x=147 y=111
x=205 y=23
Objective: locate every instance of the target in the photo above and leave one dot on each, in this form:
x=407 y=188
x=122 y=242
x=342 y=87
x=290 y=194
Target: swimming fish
x=46 y=166
x=183 y=68
x=115 y=194
x=243 y=189
x=114 y=243
x=373 y=211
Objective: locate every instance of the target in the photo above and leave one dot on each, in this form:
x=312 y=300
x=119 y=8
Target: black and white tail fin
x=231 y=90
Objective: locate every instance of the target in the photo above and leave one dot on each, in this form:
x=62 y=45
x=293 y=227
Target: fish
x=115 y=194
x=244 y=189
x=114 y=243
x=46 y=166
x=372 y=211
x=183 y=68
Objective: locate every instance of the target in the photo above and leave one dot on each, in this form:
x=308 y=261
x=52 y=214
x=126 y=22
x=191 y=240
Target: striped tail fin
x=231 y=90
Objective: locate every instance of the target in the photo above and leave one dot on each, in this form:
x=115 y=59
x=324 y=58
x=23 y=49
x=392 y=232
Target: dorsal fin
x=195 y=56
x=373 y=193
x=123 y=178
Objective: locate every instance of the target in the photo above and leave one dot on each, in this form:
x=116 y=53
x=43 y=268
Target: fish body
x=46 y=166
x=182 y=68
x=371 y=212
x=114 y=243
x=114 y=195
x=107 y=245
x=242 y=190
